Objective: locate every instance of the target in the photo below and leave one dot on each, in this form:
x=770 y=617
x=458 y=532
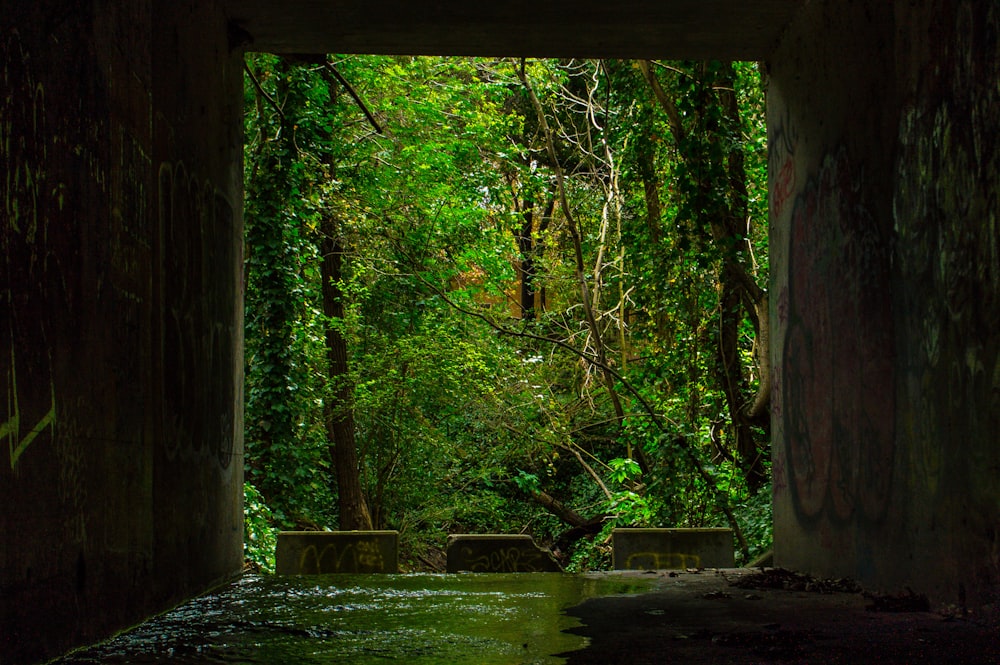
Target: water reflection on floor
x=486 y=619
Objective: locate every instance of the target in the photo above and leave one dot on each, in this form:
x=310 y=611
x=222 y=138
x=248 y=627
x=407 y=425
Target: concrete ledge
x=645 y=549
x=322 y=552
x=498 y=553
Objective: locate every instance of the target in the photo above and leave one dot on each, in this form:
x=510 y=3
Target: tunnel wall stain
x=120 y=320
x=883 y=128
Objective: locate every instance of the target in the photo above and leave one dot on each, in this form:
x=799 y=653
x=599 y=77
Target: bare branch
x=574 y=230
x=262 y=92
x=665 y=101
x=356 y=97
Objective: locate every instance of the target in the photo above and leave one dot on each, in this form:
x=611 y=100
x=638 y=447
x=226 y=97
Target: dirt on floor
x=774 y=616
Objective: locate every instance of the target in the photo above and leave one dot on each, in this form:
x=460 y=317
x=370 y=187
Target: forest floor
x=746 y=616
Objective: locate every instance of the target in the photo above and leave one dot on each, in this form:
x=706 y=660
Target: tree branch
x=589 y=469
x=558 y=508
x=676 y=128
x=356 y=97
x=262 y=92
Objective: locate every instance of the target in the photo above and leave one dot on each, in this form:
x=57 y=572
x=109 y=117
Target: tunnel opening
x=459 y=222
x=736 y=32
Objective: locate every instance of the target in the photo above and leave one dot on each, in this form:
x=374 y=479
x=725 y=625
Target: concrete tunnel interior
x=121 y=245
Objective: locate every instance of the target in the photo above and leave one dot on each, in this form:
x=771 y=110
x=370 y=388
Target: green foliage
x=260 y=537
x=623 y=470
x=463 y=409
x=527 y=482
x=754 y=512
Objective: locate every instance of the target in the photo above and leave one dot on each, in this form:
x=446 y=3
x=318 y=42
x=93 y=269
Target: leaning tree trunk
x=339 y=410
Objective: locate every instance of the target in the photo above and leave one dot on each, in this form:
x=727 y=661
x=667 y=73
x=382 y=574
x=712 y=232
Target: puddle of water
x=486 y=619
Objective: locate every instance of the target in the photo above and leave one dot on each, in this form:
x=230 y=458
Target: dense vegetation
x=505 y=296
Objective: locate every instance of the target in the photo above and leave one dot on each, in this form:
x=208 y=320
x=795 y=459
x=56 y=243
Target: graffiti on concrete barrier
x=505 y=560
x=839 y=355
x=359 y=556
x=662 y=560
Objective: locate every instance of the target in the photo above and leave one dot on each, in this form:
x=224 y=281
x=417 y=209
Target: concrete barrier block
x=645 y=549
x=498 y=553
x=321 y=552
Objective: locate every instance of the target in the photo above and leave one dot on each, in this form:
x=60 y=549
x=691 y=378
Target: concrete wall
x=884 y=130
x=120 y=315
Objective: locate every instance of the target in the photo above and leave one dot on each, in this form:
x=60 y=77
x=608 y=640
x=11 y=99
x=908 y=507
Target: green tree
x=711 y=141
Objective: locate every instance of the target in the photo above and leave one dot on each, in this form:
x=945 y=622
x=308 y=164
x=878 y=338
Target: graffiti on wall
x=28 y=414
x=782 y=140
x=199 y=282
x=75 y=253
x=838 y=358
x=515 y=559
x=946 y=209
x=18 y=436
x=129 y=250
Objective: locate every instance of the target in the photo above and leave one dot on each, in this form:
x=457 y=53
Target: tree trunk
x=526 y=249
x=733 y=381
x=339 y=410
x=726 y=217
x=746 y=293
x=530 y=248
x=559 y=509
x=654 y=213
x=759 y=413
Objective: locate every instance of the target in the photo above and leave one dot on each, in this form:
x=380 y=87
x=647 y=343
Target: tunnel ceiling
x=675 y=29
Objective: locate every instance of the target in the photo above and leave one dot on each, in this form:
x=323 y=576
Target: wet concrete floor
x=745 y=616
